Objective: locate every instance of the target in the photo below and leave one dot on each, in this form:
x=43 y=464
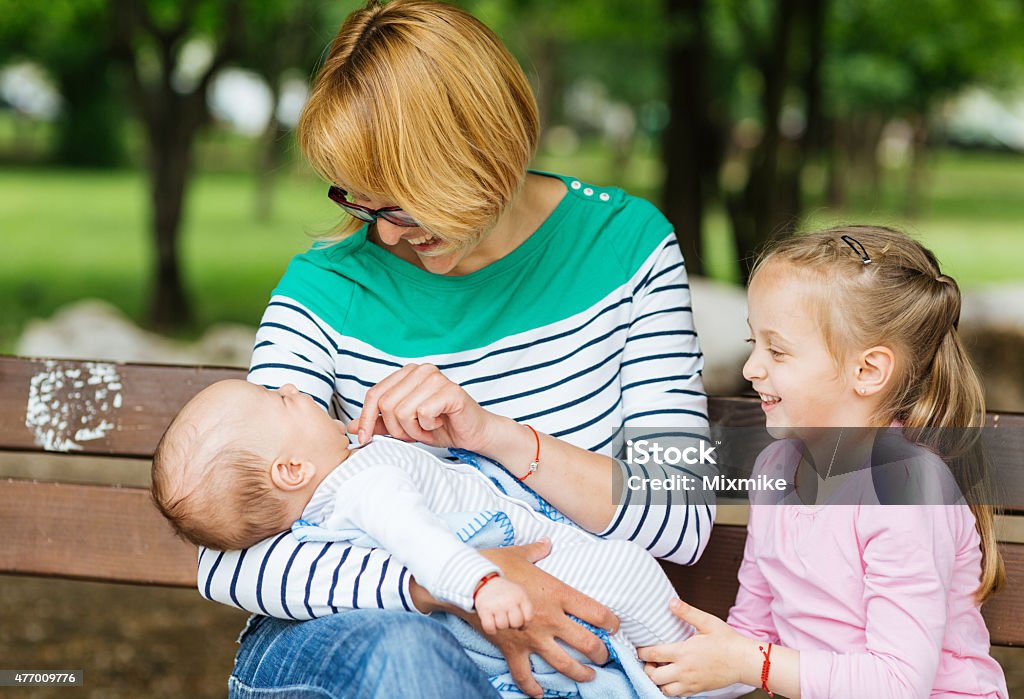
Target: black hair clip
x=857 y=247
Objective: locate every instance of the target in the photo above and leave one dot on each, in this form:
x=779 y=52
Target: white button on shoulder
x=588 y=191
x=605 y=196
x=576 y=185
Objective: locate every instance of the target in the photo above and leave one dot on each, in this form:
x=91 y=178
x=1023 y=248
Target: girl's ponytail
x=947 y=416
x=950 y=392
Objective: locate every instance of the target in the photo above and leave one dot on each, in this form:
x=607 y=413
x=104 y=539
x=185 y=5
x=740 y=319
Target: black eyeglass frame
x=392 y=214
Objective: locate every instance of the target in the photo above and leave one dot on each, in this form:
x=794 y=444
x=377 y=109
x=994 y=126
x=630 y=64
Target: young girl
x=855 y=329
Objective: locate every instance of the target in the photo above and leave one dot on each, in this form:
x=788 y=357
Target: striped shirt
x=583 y=330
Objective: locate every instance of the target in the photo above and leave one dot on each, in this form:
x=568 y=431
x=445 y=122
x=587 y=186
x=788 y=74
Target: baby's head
x=239 y=462
x=857 y=326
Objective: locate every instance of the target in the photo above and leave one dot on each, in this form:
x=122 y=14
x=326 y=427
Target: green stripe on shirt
x=372 y=295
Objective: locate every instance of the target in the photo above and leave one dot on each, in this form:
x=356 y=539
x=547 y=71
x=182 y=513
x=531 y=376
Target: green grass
x=66 y=235
x=972 y=217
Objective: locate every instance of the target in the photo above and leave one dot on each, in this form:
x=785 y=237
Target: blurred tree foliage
x=283 y=39
x=70 y=39
x=743 y=95
x=900 y=60
x=757 y=90
x=168 y=52
x=149 y=40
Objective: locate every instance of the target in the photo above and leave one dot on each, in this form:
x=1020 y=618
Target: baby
x=241 y=463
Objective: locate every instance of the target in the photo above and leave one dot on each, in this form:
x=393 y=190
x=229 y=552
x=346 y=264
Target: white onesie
x=396 y=493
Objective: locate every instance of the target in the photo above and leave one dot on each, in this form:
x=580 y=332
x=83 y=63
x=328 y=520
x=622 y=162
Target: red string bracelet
x=480 y=585
x=765 y=668
x=536 y=459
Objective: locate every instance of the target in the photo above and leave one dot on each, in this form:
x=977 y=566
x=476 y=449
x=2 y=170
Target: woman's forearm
x=584 y=486
x=283 y=578
x=426 y=603
x=577 y=482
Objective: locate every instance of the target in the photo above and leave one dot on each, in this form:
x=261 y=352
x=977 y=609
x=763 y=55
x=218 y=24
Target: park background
x=147 y=161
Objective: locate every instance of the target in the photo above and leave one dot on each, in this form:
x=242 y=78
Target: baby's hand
x=502 y=604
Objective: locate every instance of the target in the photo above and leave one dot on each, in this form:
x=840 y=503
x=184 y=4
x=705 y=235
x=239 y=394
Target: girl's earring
x=861 y=390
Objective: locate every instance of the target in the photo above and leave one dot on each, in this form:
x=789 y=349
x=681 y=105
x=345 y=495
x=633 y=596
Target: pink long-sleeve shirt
x=878 y=599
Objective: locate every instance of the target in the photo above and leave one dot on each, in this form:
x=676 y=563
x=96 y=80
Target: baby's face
x=281 y=424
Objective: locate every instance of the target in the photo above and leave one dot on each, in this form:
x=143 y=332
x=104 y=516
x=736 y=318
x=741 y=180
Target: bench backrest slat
x=97 y=408
x=90 y=532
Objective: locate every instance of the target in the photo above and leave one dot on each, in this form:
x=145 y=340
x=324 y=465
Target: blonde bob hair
x=902 y=300
x=419 y=103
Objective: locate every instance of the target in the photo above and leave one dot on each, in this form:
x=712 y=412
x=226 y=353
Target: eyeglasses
x=391 y=214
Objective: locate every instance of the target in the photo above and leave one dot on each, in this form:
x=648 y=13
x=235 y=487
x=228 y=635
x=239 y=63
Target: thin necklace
x=828 y=473
x=834 y=452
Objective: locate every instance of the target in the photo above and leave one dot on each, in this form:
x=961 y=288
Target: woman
x=467 y=299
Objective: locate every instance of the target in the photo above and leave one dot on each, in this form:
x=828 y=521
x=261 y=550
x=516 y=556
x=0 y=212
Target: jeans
x=364 y=653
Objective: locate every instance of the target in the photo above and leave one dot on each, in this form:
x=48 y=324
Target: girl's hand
x=418 y=403
x=708 y=660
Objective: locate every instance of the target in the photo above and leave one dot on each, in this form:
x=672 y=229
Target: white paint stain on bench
x=72 y=403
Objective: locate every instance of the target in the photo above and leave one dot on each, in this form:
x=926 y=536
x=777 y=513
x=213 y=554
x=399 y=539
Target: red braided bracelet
x=765 y=668
x=536 y=459
x=480 y=585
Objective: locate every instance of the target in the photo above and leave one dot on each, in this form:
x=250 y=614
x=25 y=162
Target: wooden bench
x=114 y=534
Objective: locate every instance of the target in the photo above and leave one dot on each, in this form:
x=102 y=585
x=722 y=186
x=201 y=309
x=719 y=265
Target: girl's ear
x=291 y=475
x=875 y=367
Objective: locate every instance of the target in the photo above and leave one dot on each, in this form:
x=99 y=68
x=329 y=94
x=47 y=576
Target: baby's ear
x=291 y=475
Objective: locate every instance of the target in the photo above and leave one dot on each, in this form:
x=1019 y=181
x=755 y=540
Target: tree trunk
x=545 y=55
x=794 y=157
x=89 y=126
x=170 y=160
x=270 y=158
x=814 y=133
x=274 y=142
x=276 y=45
x=754 y=217
x=688 y=141
x=837 y=165
x=171 y=118
x=918 y=166
x=873 y=136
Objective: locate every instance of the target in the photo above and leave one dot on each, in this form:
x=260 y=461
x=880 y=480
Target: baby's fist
x=502 y=604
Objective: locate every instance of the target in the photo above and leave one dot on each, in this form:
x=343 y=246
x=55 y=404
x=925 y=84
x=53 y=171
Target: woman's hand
x=551 y=600
x=418 y=403
x=708 y=660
